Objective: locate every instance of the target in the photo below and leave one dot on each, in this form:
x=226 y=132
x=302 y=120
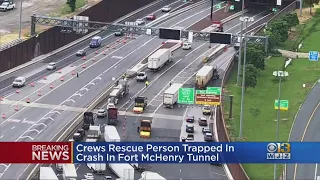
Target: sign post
x=186 y=96
x=211 y=96
x=284 y=105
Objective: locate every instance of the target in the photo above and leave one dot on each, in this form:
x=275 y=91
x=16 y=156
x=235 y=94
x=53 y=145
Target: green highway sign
x=218 y=6
x=186 y=96
x=231 y=7
x=213 y=90
x=284 y=105
x=201 y=91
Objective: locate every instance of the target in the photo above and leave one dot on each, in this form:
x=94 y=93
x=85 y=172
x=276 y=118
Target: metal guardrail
x=10 y=44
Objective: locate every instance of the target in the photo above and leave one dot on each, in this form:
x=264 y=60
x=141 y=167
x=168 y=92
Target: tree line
x=277 y=32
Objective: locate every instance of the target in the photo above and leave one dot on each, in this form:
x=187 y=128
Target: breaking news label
x=159 y=152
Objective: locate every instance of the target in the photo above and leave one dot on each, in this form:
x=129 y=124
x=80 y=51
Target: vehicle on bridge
x=151 y=17
x=88 y=119
x=142 y=76
x=112 y=116
x=52 y=66
x=159 y=59
x=19 y=82
x=140 y=103
x=170 y=96
x=145 y=128
x=206 y=110
x=120 y=89
x=217 y=26
x=166 y=8
x=81 y=52
x=111 y=134
x=94 y=132
x=204 y=75
x=95 y=42
x=5 y=6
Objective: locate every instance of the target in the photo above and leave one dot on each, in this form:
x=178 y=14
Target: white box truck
x=148 y=175
x=204 y=75
x=170 y=96
x=94 y=132
x=69 y=172
x=158 y=59
x=98 y=168
x=111 y=134
x=123 y=171
x=47 y=173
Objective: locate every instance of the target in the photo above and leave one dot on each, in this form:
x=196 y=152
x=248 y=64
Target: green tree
x=291 y=19
x=251 y=76
x=277 y=31
x=72 y=4
x=310 y=3
x=255 y=56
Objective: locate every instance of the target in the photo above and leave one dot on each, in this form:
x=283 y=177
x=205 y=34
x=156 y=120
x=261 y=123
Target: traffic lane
x=312 y=134
x=13 y=171
x=136 y=86
x=38 y=70
x=235 y=23
x=179 y=18
x=103 y=66
x=117 y=71
x=164 y=78
x=21 y=122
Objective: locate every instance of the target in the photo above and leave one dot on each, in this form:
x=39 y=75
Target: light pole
x=240 y=47
x=279 y=74
x=246 y=20
x=20 y=20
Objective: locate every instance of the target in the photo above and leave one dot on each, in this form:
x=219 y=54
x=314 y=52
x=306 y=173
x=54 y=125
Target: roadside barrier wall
x=53 y=38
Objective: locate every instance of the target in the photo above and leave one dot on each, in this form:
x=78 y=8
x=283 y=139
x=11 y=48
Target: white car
x=19 y=82
x=186 y=46
x=51 y=66
x=110 y=105
x=7 y=6
x=142 y=76
x=88 y=176
x=166 y=9
x=140 y=21
x=101 y=113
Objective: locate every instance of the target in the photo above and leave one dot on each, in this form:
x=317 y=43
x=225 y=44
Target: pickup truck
x=7 y=6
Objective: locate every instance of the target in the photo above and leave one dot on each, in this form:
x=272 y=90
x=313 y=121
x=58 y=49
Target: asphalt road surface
x=306 y=128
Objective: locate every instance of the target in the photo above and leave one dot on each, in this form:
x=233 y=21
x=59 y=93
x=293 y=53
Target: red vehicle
x=218 y=25
x=151 y=17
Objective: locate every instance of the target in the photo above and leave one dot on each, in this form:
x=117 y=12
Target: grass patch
x=65 y=9
x=308 y=33
x=259 y=113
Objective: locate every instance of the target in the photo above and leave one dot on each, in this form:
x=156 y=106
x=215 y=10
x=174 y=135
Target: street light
x=246 y=20
x=240 y=47
x=279 y=74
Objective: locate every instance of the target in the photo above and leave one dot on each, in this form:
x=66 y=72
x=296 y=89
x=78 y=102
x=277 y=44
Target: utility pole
x=20 y=20
x=246 y=20
x=301 y=2
x=240 y=47
x=211 y=13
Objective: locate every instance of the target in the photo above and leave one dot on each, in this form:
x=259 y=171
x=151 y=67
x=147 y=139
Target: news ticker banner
x=159 y=152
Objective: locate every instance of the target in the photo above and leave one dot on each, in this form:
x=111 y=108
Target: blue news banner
x=181 y=152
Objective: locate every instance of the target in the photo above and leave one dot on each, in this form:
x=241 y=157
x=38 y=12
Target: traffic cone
x=39 y=93
x=62 y=78
x=59 y=71
x=32 y=84
x=124 y=41
x=73 y=73
x=17 y=91
x=84 y=66
x=3 y=116
x=51 y=86
x=104 y=52
x=84 y=58
x=28 y=100
x=16 y=108
x=93 y=59
x=44 y=77
x=96 y=52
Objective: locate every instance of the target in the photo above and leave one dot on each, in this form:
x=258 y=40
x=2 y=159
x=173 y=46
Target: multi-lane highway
x=306 y=128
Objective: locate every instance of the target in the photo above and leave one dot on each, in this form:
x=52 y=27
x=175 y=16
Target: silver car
x=140 y=21
x=101 y=113
x=51 y=66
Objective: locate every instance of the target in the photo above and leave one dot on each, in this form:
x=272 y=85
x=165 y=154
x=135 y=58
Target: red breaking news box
x=36 y=152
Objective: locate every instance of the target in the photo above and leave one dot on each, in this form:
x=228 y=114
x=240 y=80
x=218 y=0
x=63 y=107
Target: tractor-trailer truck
x=170 y=96
x=204 y=75
x=124 y=171
x=148 y=175
x=69 y=172
x=47 y=173
x=111 y=134
x=158 y=59
x=98 y=168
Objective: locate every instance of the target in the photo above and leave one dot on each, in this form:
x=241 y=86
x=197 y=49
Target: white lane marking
x=315 y=172
x=54 y=112
x=84 y=89
x=249 y=23
x=191 y=17
x=44 y=95
x=13 y=127
x=117 y=57
x=70 y=100
x=1 y=136
x=194 y=50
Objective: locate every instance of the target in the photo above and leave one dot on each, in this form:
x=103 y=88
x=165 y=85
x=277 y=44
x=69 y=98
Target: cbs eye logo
x=279 y=148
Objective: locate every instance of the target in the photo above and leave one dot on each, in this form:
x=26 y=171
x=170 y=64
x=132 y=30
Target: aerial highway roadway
x=306 y=128
x=59 y=97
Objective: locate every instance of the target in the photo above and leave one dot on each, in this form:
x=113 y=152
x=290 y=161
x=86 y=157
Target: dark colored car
x=81 y=53
x=208 y=137
x=151 y=17
x=216 y=164
x=190 y=119
x=82 y=132
x=203 y=122
x=189 y=128
x=205 y=130
x=118 y=33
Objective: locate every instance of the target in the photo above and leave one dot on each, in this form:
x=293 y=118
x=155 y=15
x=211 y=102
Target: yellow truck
x=145 y=128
